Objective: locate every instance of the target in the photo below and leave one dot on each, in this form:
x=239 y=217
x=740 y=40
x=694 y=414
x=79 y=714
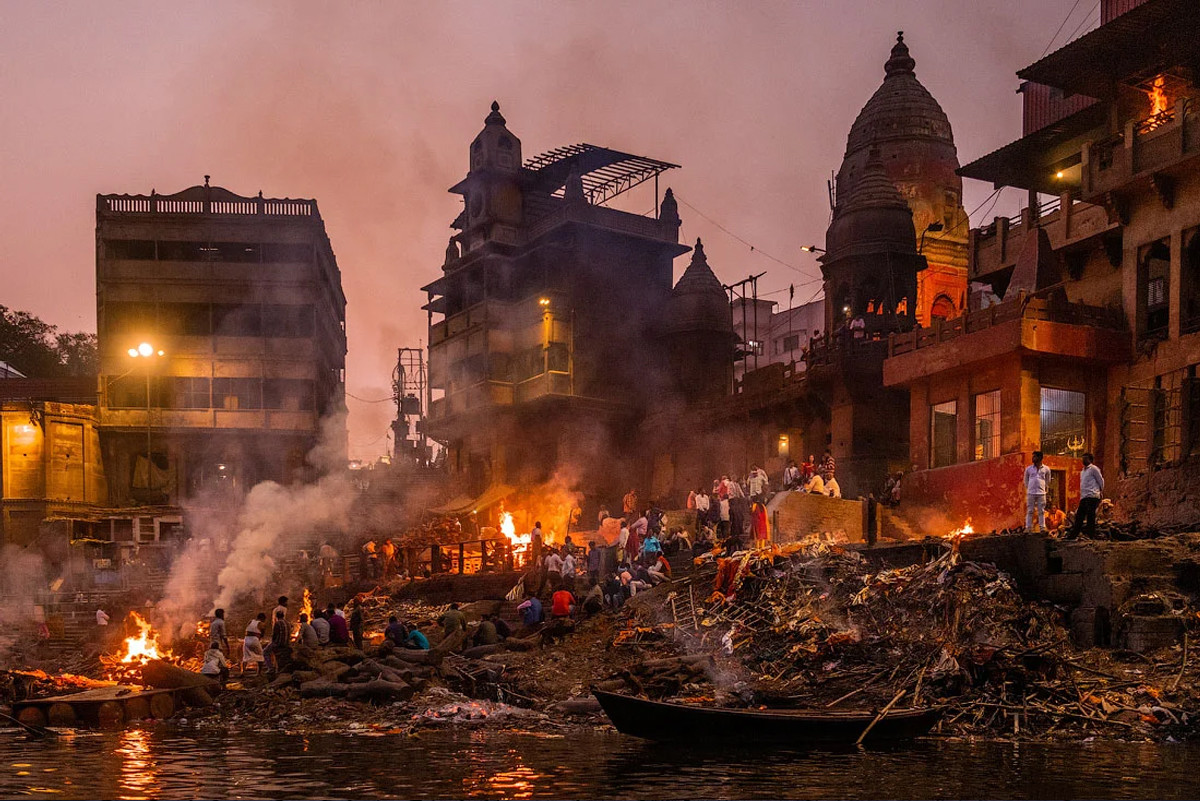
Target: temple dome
x=875 y=218
x=901 y=107
x=698 y=302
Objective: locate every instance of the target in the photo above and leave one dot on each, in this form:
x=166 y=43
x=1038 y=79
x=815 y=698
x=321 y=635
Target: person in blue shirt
x=416 y=640
x=531 y=611
x=651 y=548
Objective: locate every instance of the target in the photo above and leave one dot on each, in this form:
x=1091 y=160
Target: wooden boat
x=658 y=720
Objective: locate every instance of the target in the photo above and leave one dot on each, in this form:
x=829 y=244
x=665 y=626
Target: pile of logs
x=660 y=678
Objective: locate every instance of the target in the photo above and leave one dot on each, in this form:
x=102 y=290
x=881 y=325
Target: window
x=942 y=309
x=132 y=249
x=287 y=321
x=791 y=342
x=558 y=357
x=1064 y=414
x=987 y=425
x=943 y=434
x=190 y=393
x=128 y=318
x=184 y=319
x=1192 y=393
x=237 y=320
x=298 y=253
x=1190 y=288
x=288 y=394
x=232 y=394
x=183 y=251
x=1154 y=270
x=126 y=392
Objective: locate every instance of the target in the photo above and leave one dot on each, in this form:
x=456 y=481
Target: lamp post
x=812 y=249
x=933 y=226
x=146 y=351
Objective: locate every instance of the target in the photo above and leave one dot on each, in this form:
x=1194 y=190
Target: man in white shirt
x=831 y=487
x=1037 y=479
x=554 y=565
x=815 y=485
x=1091 y=489
x=756 y=483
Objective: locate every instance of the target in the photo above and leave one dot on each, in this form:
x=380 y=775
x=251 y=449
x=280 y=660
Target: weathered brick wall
x=800 y=515
x=1168 y=497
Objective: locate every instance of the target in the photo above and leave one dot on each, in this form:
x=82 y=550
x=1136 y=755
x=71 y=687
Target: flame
x=1158 y=98
x=965 y=531
x=144 y=647
x=306 y=608
x=520 y=542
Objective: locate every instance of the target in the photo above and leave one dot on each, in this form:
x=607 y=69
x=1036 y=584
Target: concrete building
x=222 y=342
x=546 y=342
x=1096 y=345
x=775 y=337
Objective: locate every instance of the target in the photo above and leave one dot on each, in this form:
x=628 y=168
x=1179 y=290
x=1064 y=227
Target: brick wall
x=800 y=515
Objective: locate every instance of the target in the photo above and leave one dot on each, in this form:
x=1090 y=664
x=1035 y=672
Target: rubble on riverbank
x=805 y=625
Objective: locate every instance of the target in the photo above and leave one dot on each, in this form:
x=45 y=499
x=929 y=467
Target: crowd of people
x=268 y=639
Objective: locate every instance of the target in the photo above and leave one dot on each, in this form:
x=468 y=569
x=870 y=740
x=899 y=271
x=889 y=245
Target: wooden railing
x=1024 y=307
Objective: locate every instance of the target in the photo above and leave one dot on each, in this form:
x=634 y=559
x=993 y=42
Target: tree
x=40 y=350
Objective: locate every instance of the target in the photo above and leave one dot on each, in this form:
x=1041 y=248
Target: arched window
x=942 y=309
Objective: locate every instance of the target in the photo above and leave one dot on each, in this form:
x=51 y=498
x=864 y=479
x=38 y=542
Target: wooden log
x=32 y=716
x=413 y=655
x=335 y=670
x=484 y=650
x=136 y=708
x=199 y=696
x=449 y=644
x=302 y=676
x=323 y=688
x=380 y=691
x=165 y=676
x=611 y=685
x=579 y=706
x=162 y=706
x=111 y=714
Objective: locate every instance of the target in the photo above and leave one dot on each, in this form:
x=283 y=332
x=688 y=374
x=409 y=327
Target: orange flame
x=306 y=605
x=519 y=542
x=965 y=531
x=1158 y=98
x=144 y=647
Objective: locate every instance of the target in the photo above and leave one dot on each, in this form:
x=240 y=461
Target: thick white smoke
x=233 y=552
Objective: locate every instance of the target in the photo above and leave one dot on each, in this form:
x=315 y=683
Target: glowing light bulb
x=145 y=349
x=133 y=352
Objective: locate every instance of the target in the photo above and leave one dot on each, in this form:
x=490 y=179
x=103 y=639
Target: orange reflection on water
x=139 y=770
x=517 y=782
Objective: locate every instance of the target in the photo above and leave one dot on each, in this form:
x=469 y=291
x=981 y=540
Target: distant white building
x=8 y=371
x=768 y=336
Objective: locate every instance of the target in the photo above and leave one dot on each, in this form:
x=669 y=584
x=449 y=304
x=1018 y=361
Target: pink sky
x=369 y=107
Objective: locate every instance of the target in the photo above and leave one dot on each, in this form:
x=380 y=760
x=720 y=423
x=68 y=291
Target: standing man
x=1091 y=489
x=356 y=625
x=1037 y=480
x=629 y=504
x=217 y=630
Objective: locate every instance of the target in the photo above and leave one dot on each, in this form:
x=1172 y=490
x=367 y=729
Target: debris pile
x=814 y=625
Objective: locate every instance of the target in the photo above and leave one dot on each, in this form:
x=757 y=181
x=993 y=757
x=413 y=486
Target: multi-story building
x=221 y=323
x=544 y=334
x=768 y=336
x=1096 y=343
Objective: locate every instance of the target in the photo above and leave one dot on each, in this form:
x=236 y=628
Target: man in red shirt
x=562 y=604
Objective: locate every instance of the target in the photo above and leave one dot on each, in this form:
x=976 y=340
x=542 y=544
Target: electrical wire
x=388 y=399
x=748 y=244
x=1087 y=18
x=1061 y=25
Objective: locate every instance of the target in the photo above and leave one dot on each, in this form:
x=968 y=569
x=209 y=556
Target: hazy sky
x=369 y=107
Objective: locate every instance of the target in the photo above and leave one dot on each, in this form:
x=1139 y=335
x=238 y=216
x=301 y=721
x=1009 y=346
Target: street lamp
x=145 y=351
x=933 y=226
x=812 y=249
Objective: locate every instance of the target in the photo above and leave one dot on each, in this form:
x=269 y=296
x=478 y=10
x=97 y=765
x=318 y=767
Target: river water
x=177 y=764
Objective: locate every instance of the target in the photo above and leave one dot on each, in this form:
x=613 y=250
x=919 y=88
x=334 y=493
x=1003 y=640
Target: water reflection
x=139 y=768
x=161 y=763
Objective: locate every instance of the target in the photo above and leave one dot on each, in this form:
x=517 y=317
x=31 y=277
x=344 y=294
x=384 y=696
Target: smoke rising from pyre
x=234 y=552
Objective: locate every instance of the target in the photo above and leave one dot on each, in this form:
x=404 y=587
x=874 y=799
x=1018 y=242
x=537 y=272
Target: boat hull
x=657 y=720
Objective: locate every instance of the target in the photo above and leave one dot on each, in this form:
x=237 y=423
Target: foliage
x=39 y=350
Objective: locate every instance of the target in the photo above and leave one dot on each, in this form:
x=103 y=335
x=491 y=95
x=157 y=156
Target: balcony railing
x=1146 y=146
x=1024 y=307
x=997 y=245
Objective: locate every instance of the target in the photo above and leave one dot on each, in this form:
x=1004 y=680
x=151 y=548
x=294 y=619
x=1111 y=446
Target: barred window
x=1064 y=422
x=190 y=393
x=237 y=393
